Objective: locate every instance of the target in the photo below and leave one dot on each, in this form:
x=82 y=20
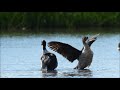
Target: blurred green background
x=34 y=21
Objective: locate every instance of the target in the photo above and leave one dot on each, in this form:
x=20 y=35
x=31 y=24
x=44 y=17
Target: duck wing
x=65 y=50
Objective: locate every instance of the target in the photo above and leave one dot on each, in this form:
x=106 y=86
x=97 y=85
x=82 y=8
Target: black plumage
x=49 y=60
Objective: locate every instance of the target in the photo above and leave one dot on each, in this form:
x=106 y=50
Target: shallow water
x=20 y=57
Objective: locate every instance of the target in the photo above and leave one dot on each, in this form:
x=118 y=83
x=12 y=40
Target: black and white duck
x=84 y=56
x=49 y=60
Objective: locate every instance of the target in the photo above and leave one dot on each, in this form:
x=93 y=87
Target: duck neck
x=45 y=50
x=82 y=49
x=44 y=47
x=86 y=46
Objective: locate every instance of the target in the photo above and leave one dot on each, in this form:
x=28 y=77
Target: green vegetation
x=29 y=21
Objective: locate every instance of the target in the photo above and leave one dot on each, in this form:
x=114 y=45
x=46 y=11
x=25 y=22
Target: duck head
x=84 y=39
x=43 y=43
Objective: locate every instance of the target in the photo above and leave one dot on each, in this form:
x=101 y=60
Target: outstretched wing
x=65 y=50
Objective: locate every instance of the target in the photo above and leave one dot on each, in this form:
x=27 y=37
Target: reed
x=14 y=21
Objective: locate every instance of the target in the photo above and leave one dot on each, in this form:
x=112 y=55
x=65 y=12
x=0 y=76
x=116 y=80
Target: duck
x=48 y=59
x=118 y=46
x=84 y=56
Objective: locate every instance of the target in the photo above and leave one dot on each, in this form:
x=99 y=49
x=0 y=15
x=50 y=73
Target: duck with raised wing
x=84 y=56
x=49 y=60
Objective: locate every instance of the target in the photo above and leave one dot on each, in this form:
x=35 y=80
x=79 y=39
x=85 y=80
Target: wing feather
x=65 y=50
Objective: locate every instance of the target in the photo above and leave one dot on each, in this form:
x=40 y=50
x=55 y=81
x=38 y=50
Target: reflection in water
x=49 y=74
x=86 y=73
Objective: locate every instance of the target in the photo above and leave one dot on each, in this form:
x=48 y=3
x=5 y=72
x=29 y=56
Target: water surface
x=20 y=56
